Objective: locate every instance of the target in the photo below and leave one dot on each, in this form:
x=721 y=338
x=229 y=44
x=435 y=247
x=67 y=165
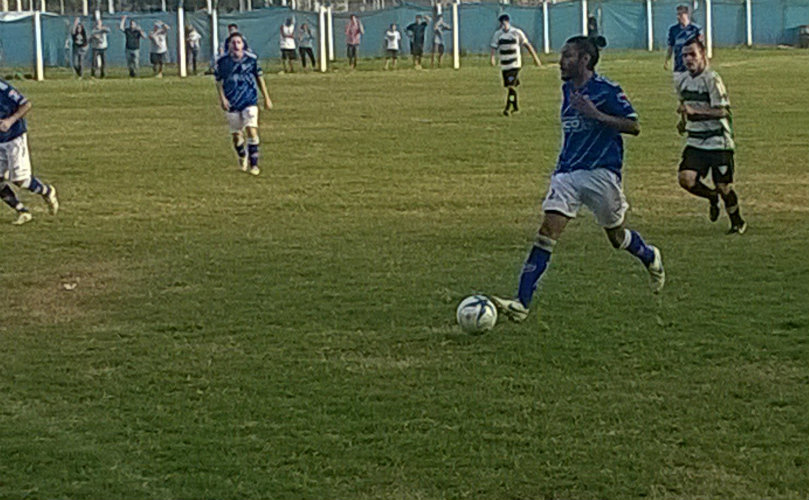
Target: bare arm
x=7 y=123
x=492 y=58
x=669 y=52
x=701 y=115
x=121 y=26
x=533 y=52
x=223 y=101
x=262 y=85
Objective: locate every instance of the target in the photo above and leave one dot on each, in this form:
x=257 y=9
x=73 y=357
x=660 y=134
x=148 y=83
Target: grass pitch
x=292 y=335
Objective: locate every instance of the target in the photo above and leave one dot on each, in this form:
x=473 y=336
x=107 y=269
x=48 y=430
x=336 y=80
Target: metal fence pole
x=39 y=66
x=456 y=37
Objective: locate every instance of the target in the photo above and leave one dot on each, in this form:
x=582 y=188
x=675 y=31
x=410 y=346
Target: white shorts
x=238 y=120
x=598 y=189
x=15 y=162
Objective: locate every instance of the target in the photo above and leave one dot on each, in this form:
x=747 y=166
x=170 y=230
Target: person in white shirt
x=98 y=42
x=159 y=50
x=192 y=38
x=392 y=40
x=288 y=44
x=507 y=43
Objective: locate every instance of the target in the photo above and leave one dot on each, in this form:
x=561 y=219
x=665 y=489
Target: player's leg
x=440 y=54
x=102 y=60
x=19 y=169
x=432 y=56
x=692 y=168
x=252 y=148
x=10 y=198
x=723 y=178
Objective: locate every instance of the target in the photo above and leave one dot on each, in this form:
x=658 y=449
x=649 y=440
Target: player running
x=706 y=120
x=15 y=160
x=507 y=42
x=595 y=112
x=238 y=79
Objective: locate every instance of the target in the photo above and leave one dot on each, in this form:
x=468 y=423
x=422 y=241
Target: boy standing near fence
x=392 y=39
x=354 y=32
x=133 y=35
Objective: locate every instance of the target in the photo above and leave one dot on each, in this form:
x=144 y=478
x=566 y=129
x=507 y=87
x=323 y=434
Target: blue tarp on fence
x=623 y=22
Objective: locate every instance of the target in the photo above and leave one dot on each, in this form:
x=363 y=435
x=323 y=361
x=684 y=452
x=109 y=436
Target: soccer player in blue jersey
x=679 y=34
x=15 y=160
x=238 y=80
x=595 y=112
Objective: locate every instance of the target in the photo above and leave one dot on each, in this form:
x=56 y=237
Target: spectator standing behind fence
x=439 y=27
x=159 y=49
x=288 y=45
x=133 y=34
x=392 y=39
x=306 y=41
x=98 y=42
x=415 y=31
x=192 y=38
x=79 y=36
x=354 y=32
x=679 y=35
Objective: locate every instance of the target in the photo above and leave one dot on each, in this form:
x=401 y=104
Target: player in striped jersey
x=707 y=122
x=595 y=112
x=507 y=42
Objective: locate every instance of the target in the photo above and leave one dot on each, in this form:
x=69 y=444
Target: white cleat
x=255 y=171
x=657 y=275
x=512 y=309
x=52 y=201
x=22 y=218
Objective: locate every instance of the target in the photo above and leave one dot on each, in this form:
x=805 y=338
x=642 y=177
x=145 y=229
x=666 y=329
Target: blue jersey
x=10 y=102
x=239 y=80
x=678 y=36
x=588 y=144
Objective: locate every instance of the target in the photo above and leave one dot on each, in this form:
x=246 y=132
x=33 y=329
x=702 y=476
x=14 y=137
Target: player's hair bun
x=599 y=41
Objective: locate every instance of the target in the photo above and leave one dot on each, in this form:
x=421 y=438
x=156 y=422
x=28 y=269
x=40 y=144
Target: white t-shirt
x=706 y=91
x=193 y=39
x=288 y=37
x=392 y=39
x=159 y=42
x=509 y=47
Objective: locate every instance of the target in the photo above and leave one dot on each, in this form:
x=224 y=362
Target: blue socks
x=36 y=187
x=252 y=151
x=534 y=267
x=634 y=244
x=10 y=199
x=240 y=149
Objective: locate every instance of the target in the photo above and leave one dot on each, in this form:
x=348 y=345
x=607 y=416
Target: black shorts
x=438 y=47
x=417 y=49
x=156 y=58
x=351 y=51
x=392 y=53
x=718 y=162
x=511 y=77
x=288 y=54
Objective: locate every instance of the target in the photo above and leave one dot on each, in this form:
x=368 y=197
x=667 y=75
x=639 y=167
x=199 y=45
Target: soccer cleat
x=512 y=309
x=657 y=275
x=51 y=200
x=255 y=171
x=243 y=163
x=738 y=228
x=713 y=210
x=506 y=112
x=22 y=218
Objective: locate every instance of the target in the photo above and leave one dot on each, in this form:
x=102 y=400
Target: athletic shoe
x=657 y=275
x=243 y=163
x=738 y=229
x=506 y=112
x=22 y=218
x=713 y=210
x=51 y=200
x=255 y=171
x=512 y=309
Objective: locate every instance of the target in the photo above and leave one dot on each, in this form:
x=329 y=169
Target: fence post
x=709 y=28
x=163 y=5
x=456 y=37
x=39 y=66
x=181 y=40
x=43 y=6
x=321 y=25
x=110 y=7
x=749 y=15
x=249 y=5
x=546 y=32
x=330 y=34
x=584 y=16
x=650 y=36
x=85 y=7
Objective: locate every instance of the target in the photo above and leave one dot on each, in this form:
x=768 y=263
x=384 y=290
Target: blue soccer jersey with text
x=679 y=35
x=239 y=80
x=588 y=144
x=10 y=102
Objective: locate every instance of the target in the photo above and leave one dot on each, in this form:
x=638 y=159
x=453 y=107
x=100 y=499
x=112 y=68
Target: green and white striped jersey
x=704 y=91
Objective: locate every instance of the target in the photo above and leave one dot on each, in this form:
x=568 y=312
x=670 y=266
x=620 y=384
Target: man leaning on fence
x=133 y=35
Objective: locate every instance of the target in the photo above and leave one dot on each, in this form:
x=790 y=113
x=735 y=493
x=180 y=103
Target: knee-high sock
x=634 y=244
x=239 y=147
x=535 y=265
x=35 y=186
x=10 y=199
x=703 y=191
x=252 y=150
x=732 y=207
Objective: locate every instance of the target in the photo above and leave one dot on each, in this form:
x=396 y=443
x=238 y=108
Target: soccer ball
x=476 y=314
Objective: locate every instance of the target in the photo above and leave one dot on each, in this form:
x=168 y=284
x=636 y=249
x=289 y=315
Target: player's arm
x=623 y=124
x=492 y=57
x=22 y=110
x=533 y=52
x=223 y=101
x=262 y=86
x=701 y=115
x=669 y=52
x=123 y=22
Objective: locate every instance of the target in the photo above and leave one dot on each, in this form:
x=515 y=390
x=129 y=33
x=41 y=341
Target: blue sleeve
x=217 y=71
x=11 y=94
x=672 y=35
x=618 y=104
x=258 y=70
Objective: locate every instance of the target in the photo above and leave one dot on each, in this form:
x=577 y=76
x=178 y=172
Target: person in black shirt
x=416 y=33
x=133 y=35
x=80 y=41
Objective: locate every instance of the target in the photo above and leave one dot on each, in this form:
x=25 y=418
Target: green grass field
x=292 y=335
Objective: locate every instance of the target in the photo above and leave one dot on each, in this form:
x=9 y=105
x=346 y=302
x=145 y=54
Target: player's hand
x=680 y=109
x=681 y=127
x=6 y=124
x=492 y=61
x=267 y=104
x=584 y=106
x=666 y=65
x=225 y=104
x=689 y=110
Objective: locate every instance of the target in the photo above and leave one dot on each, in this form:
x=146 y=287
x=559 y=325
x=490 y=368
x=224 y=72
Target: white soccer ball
x=476 y=314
